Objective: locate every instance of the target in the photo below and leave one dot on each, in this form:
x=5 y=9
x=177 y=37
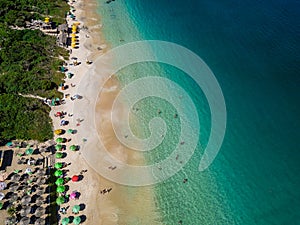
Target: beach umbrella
x=58 y=165
x=60 y=200
x=58 y=173
x=58 y=114
x=24 y=221
x=63 y=122
x=58 y=131
x=41 y=150
x=39 y=212
x=39 y=221
x=75 y=178
x=73 y=35
x=59 y=140
x=16 y=177
x=3 y=176
x=13 y=187
x=59 y=181
x=60 y=189
x=25 y=200
x=70 y=131
x=73 y=147
x=14 y=197
x=11 y=220
x=77 y=220
x=28 y=170
x=40 y=198
x=1 y=205
x=41 y=180
x=65 y=221
x=58 y=155
x=41 y=172
x=58 y=147
x=2 y=186
x=17 y=171
x=25 y=211
x=1 y=196
x=73 y=195
x=76 y=209
x=29 y=151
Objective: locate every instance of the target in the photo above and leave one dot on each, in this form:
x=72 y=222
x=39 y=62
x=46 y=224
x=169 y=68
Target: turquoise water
x=253 y=50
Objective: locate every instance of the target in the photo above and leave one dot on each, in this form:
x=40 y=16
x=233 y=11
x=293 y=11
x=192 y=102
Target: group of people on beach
x=104 y=191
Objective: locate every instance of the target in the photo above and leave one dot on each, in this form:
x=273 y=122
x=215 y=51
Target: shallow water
x=253 y=50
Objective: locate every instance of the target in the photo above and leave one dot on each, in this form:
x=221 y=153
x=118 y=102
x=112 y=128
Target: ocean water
x=253 y=49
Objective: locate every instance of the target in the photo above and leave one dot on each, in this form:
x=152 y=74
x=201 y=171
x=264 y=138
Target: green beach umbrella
x=58 y=173
x=73 y=147
x=60 y=200
x=59 y=140
x=59 y=181
x=76 y=209
x=60 y=189
x=58 y=155
x=65 y=221
x=76 y=220
x=58 y=165
x=29 y=151
x=58 y=147
x=1 y=205
x=70 y=131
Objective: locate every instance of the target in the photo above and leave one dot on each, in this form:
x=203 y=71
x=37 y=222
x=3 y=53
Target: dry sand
x=123 y=205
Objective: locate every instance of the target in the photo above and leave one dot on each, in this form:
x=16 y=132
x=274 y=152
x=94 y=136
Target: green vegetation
x=29 y=64
x=11 y=211
x=17 y=12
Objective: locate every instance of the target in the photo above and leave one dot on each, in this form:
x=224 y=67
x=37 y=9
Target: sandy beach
x=122 y=205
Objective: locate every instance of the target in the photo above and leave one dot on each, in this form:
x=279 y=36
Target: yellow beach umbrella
x=76 y=23
x=73 y=35
x=47 y=20
x=73 y=45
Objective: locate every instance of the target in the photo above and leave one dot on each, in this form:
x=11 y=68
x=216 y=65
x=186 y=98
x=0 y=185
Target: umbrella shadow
x=71 y=218
x=82 y=206
x=36 y=151
x=83 y=218
x=80 y=177
x=78 y=194
x=5 y=205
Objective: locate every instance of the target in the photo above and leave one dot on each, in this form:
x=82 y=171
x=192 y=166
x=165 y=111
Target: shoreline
x=115 y=207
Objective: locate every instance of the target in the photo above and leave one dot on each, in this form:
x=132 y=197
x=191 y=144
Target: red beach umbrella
x=75 y=178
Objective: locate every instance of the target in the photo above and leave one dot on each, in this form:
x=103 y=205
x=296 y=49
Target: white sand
x=123 y=205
